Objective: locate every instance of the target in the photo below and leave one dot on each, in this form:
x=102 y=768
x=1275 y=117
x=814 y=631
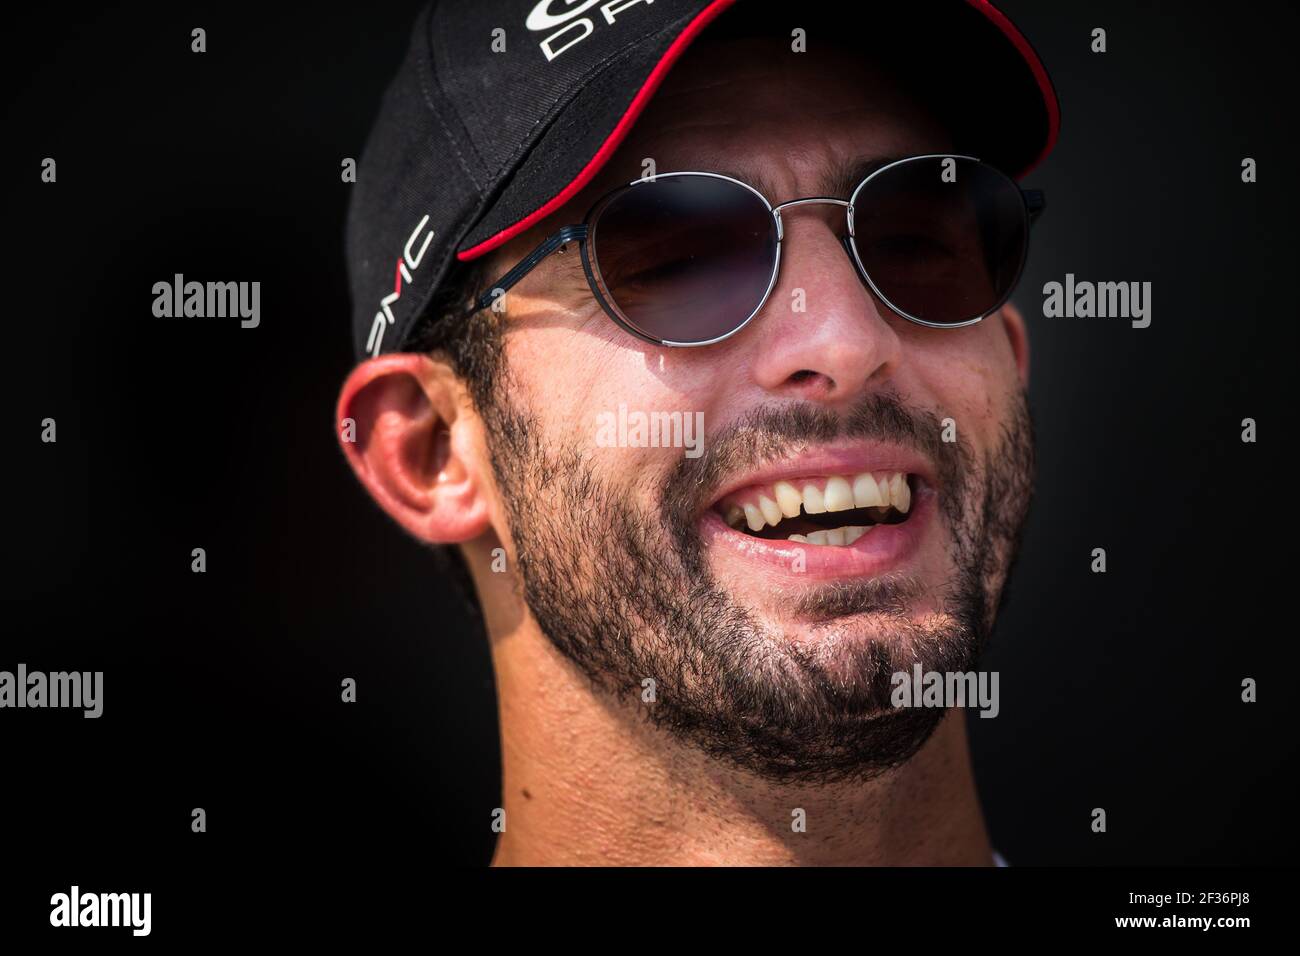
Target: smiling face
x=862 y=482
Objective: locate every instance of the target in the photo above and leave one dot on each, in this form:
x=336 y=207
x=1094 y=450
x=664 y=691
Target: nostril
x=811 y=385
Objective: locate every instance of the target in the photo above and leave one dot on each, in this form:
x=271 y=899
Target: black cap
x=503 y=110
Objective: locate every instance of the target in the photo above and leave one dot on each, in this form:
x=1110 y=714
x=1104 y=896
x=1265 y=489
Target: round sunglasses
x=689 y=258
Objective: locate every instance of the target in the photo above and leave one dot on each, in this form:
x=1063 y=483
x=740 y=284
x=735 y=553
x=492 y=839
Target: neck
x=589 y=781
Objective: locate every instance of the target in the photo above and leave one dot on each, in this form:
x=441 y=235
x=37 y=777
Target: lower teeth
x=834 y=536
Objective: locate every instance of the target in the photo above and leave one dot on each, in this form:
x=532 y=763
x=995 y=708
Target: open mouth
x=833 y=510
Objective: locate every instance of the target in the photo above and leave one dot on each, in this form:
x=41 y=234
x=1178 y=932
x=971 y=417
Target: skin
x=584 y=780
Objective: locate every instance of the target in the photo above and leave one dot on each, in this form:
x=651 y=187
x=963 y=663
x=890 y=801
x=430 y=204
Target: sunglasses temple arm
x=1035 y=202
x=528 y=264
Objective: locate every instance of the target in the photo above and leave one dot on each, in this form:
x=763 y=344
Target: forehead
x=788 y=123
x=755 y=104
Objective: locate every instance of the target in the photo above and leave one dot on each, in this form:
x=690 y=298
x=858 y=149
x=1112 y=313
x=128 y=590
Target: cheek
x=607 y=396
x=971 y=375
x=560 y=360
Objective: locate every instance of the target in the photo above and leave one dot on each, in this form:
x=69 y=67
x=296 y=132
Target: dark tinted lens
x=684 y=258
x=941 y=248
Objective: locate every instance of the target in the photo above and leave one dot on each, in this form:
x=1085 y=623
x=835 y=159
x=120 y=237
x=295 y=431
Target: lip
x=846 y=460
x=882 y=549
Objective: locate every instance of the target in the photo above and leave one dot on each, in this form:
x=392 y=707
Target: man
x=718 y=464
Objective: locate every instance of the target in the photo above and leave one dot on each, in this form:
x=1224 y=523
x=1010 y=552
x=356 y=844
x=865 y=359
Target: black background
x=1118 y=690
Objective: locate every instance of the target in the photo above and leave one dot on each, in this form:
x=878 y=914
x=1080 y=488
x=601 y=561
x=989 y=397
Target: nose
x=821 y=335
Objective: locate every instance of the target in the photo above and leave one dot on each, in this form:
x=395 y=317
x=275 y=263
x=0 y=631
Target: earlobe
x=1018 y=336
x=406 y=428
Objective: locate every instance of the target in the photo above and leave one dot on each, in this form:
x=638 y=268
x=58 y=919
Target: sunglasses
x=689 y=258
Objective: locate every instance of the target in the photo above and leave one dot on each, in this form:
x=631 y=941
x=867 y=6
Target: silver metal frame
x=585 y=235
x=606 y=299
x=862 y=269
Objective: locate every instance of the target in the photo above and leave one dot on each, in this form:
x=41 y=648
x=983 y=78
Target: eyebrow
x=838 y=181
x=845 y=176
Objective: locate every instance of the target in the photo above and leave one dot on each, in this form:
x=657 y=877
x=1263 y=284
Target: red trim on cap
x=1009 y=30
x=675 y=50
x=671 y=55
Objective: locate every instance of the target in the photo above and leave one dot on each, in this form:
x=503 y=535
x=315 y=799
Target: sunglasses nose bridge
x=807 y=200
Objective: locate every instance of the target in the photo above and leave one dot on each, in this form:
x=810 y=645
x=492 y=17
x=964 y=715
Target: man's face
x=775 y=655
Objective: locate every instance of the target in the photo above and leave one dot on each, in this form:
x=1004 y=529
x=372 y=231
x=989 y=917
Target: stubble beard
x=627 y=595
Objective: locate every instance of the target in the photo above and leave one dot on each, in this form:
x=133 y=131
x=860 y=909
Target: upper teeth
x=839 y=493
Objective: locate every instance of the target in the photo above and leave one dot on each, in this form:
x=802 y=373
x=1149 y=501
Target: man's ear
x=413 y=443
x=1018 y=335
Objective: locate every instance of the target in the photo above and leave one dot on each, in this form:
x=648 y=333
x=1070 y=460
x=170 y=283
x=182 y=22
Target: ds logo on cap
x=541 y=18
